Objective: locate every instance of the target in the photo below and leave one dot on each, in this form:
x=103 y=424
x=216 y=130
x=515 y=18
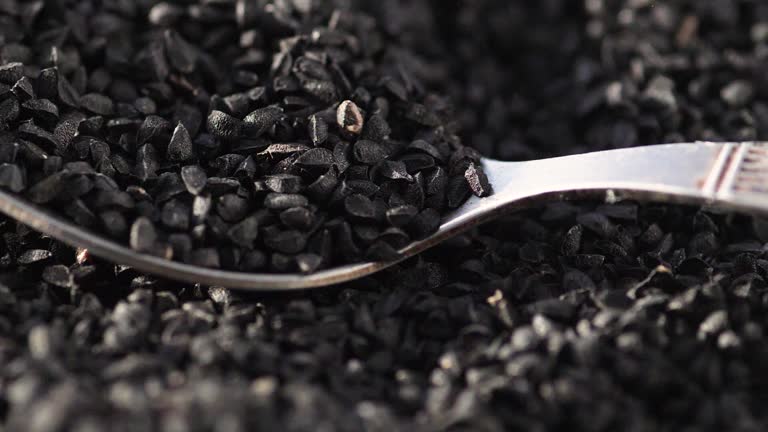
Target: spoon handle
x=728 y=175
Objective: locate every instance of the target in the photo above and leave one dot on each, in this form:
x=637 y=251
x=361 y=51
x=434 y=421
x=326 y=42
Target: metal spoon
x=733 y=176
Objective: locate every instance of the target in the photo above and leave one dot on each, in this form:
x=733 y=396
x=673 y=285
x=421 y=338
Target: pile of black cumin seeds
x=574 y=316
x=229 y=134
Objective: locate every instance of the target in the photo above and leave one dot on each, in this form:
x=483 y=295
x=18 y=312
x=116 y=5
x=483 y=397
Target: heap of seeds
x=237 y=135
x=574 y=316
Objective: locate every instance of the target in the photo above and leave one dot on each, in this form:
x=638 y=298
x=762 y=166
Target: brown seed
x=82 y=255
x=349 y=118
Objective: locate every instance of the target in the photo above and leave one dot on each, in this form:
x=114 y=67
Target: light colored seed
x=349 y=118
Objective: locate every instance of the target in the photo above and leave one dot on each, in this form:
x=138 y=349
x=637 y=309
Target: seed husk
x=349 y=118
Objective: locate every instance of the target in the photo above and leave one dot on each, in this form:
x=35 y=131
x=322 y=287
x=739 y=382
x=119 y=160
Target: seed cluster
x=593 y=74
x=236 y=135
x=574 y=316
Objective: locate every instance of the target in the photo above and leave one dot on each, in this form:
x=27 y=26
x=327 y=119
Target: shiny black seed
x=236 y=104
x=369 y=152
x=32 y=153
x=180 y=148
x=425 y=147
x=23 y=89
x=42 y=110
x=316 y=158
x=261 y=120
x=153 y=129
x=194 y=178
x=359 y=206
x=223 y=125
x=376 y=128
x=284 y=183
x=91 y=125
x=457 y=191
x=282 y=201
x=324 y=91
x=365 y=187
x=322 y=188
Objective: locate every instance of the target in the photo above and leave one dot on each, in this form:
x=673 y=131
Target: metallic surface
x=724 y=175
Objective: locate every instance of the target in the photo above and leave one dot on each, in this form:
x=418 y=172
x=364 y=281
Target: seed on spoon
x=349 y=118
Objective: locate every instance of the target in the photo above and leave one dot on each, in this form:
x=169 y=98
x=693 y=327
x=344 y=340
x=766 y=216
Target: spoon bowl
x=733 y=176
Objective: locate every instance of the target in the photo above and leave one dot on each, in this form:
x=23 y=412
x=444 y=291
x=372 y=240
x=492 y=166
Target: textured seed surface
x=223 y=125
x=284 y=183
x=180 y=147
